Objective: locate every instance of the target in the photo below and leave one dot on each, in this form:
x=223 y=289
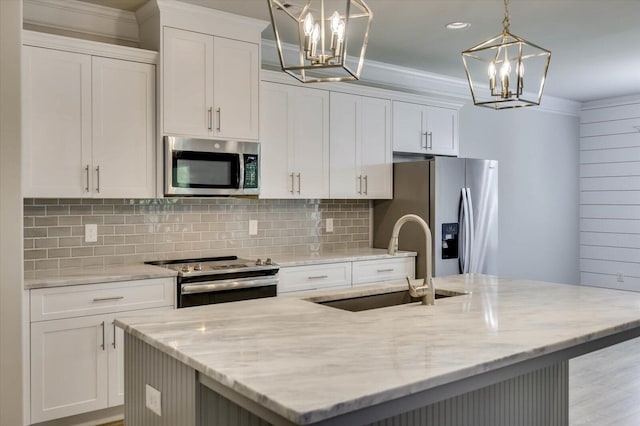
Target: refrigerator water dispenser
x=450 y=240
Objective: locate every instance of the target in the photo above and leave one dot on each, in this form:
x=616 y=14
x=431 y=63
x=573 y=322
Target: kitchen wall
x=11 y=290
x=538 y=187
x=132 y=231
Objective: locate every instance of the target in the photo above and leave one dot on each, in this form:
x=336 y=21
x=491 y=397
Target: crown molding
x=422 y=83
x=72 y=15
x=611 y=102
x=87 y=47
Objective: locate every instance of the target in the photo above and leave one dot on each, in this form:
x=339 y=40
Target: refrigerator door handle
x=463 y=259
x=471 y=267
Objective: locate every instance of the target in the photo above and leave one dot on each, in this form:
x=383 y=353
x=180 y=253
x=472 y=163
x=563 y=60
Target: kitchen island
x=497 y=355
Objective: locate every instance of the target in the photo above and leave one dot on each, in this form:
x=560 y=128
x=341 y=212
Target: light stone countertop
x=308 y=362
x=286 y=260
x=93 y=275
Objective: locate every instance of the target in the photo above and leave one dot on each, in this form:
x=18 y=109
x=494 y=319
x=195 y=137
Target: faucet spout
x=428 y=289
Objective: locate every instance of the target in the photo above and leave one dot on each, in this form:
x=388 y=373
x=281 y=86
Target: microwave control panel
x=250 y=171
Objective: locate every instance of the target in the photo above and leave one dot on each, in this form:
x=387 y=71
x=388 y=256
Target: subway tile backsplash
x=132 y=231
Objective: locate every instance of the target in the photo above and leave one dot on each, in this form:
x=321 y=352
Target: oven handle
x=231 y=284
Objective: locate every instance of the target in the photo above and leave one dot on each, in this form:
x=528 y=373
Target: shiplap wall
x=610 y=194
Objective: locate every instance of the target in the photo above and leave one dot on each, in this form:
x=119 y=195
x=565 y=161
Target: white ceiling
x=595 y=44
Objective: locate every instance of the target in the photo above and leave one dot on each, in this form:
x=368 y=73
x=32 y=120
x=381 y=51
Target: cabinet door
x=123 y=128
x=408 y=128
x=375 y=154
x=276 y=148
x=311 y=143
x=442 y=131
x=68 y=367
x=346 y=179
x=116 y=364
x=57 y=123
x=236 y=85
x=187 y=83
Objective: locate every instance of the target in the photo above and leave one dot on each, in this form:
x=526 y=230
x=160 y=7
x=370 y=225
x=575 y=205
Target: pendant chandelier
x=496 y=70
x=321 y=40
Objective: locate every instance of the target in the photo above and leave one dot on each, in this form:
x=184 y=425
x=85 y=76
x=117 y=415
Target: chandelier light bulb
x=335 y=22
x=492 y=76
x=308 y=24
x=341 y=31
x=315 y=35
x=505 y=70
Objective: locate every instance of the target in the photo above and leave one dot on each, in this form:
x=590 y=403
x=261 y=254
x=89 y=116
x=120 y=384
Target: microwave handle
x=240 y=176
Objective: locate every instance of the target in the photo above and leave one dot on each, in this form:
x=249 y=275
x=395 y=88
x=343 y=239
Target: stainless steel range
x=212 y=280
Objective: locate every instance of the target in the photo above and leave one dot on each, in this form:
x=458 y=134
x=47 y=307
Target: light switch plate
x=253 y=227
x=90 y=233
x=153 y=400
x=329 y=225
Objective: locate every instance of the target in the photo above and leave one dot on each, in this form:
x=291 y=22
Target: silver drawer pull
x=105 y=299
x=386 y=270
x=318 y=277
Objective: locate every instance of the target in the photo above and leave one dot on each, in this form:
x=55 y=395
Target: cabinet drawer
x=314 y=277
x=93 y=299
x=368 y=271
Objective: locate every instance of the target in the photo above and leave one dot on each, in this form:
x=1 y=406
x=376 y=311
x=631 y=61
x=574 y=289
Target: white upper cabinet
x=57 y=123
x=188 y=83
x=295 y=142
x=210 y=86
x=423 y=129
x=236 y=88
x=123 y=128
x=361 y=157
x=89 y=125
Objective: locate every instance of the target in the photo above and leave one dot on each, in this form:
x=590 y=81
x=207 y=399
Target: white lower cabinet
x=77 y=363
x=371 y=271
x=314 y=277
x=343 y=274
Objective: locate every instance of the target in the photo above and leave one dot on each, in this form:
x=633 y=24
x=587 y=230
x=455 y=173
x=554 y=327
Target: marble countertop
x=92 y=275
x=308 y=362
x=337 y=256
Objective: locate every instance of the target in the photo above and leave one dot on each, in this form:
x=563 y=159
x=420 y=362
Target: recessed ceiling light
x=458 y=25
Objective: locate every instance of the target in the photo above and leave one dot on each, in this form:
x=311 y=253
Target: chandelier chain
x=506 y=22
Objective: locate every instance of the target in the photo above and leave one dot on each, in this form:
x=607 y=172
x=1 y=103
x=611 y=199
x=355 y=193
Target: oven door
x=227 y=290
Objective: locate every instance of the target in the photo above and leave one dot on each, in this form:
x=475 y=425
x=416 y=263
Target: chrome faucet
x=426 y=291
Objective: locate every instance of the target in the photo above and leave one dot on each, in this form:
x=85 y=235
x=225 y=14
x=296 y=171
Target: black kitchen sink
x=375 y=301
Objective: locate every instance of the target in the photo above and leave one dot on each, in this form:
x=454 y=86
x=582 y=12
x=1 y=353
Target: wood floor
x=604 y=387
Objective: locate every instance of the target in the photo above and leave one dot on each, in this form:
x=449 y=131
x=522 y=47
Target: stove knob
x=259 y=262
x=185 y=268
x=268 y=261
x=198 y=267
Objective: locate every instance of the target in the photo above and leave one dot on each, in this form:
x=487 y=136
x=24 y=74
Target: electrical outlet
x=253 y=227
x=620 y=277
x=90 y=233
x=329 y=225
x=154 y=400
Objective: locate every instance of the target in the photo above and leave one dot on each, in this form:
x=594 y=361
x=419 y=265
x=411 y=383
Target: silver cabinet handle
x=366 y=184
x=360 y=184
x=86 y=169
x=386 y=270
x=98 y=182
x=210 y=118
x=430 y=140
x=219 y=111
x=104 y=299
x=318 y=277
x=426 y=145
x=299 y=183
x=114 y=334
x=291 y=176
x=102 y=345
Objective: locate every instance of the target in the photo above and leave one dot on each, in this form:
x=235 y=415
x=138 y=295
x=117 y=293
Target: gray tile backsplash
x=131 y=231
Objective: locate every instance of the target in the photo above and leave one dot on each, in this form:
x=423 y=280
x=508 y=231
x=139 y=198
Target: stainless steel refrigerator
x=458 y=198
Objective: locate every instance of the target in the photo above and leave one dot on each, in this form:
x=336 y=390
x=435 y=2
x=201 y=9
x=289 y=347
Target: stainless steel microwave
x=203 y=167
